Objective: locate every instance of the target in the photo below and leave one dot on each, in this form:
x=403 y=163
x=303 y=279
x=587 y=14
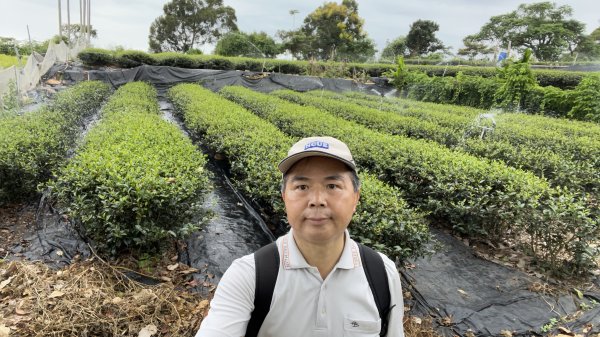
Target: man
x=321 y=287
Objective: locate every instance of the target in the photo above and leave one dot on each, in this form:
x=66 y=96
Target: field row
x=137 y=179
x=561 y=166
x=35 y=144
x=474 y=196
x=254 y=147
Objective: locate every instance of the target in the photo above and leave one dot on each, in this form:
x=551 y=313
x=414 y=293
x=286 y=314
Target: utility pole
x=84 y=23
x=89 y=20
x=59 y=19
x=68 y=21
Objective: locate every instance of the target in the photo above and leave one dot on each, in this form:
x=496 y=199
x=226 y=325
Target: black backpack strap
x=378 y=282
x=266 y=261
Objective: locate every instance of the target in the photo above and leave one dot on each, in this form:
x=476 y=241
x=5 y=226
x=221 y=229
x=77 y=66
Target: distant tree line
x=335 y=31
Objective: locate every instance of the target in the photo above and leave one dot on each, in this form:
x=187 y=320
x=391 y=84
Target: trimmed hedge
x=254 y=147
x=431 y=111
x=35 y=144
x=474 y=196
x=557 y=78
x=137 y=180
x=453 y=132
x=128 y=59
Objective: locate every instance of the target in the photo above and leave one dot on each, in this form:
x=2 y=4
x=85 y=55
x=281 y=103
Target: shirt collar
x=292 y=257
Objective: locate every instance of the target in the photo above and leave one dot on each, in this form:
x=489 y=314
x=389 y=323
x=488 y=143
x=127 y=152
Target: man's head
x=320 y=189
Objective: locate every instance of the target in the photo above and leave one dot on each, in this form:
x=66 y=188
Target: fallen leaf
x=565 y=331
x=416 y=320
x=148 y=330
x=5 y=282
x=117 y=300
x=189 y=271
x=166 y=279
x=21 y=312
x=462 y=292
x=521 y=264
x=203 y=304
x=193 y=283
x=59 y=253
x=506 y=333
x=174 y=258
x=173 y=266
x=56 y=293
x=4 y=331
x=578 y=293
x=447 y=321
x=470 y=333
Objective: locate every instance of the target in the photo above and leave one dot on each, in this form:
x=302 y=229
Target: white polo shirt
x=303 y=303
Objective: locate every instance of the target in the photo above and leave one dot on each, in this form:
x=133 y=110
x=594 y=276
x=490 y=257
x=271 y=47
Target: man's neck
x=322 y=256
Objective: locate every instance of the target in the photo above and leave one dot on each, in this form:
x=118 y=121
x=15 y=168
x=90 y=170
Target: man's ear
x=356 y=200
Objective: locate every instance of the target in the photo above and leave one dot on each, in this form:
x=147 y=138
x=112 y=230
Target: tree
x=75 y=31
x=541 y=27
x=333 y=31
x=473 y=48
x=250 y=45
x=187 y=24
x=421 y=38
x=394 y=49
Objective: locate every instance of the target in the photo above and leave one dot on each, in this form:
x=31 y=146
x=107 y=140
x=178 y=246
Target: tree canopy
x=394 y=49
x=331 y=32
x=421 y=38
x=542 y=27
x=186 y=24
x=250 y=45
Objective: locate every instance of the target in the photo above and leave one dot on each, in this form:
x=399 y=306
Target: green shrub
x=451 y=131
x=96 y=57
x=254 y=147
x=587 y=100
x=172 y=59
x=516 y=81
x=132 y=58
x=474 y=196
x=137 y=180
x=35 y=144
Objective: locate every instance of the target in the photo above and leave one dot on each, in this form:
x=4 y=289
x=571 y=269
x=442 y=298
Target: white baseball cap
x=317 y=147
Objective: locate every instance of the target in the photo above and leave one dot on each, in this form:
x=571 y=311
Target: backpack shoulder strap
x=266 y=260
x=378 y=282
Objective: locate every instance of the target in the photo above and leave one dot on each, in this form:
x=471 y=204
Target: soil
x=16 y=220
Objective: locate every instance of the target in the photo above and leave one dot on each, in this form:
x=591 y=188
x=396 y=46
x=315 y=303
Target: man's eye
x=331 y=186
x=302 y=187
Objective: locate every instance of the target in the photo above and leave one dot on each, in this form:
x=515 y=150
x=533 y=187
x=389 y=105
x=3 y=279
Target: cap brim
x=288 y=162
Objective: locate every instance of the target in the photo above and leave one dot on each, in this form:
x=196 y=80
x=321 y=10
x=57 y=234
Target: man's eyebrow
x=335 y=177
x=299 y=178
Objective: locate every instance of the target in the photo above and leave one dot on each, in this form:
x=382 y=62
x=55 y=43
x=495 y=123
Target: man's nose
x=317 y=198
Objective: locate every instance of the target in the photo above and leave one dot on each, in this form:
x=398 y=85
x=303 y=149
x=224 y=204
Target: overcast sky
x=126 y=22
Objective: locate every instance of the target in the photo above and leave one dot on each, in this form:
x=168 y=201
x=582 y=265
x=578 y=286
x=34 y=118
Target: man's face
x=319 y=199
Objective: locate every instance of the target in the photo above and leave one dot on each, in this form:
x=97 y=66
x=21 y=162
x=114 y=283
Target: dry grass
x=93 y=298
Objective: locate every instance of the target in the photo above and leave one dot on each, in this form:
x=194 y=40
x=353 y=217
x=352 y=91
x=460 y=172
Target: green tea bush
x=254 y=147
x=96 y=57
x=474 y=196
x=35 y=144
x=560 y=171
x=172 y=59
x=132 y=58
x=587 y=100
x=137 y=180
